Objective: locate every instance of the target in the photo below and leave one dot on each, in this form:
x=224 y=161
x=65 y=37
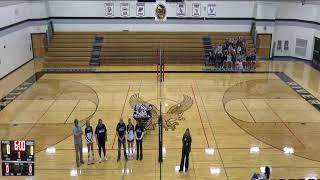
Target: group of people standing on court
x=124 y=133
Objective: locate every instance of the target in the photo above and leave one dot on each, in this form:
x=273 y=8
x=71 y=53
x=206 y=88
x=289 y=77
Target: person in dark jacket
x=186 y=149
x=121 y=133
x=139 y=139
x=101 y=136
x=267 y=172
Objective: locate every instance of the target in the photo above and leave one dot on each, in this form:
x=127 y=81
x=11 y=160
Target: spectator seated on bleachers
x=233 y=55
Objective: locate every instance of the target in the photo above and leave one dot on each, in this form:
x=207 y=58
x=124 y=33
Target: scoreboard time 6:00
x=17 y=158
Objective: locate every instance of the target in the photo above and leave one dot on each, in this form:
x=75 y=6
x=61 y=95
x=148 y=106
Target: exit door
x=39 y=44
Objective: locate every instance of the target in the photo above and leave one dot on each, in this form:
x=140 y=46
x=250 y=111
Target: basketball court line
x=237 y=167
x=20 y=89
x=71 y=112
x=38 y=119
x=204 y=131
x=214 y=138
x=125 y=101
x=300 y=90
x=248 y=110
x=156 y=149
x=284 y=124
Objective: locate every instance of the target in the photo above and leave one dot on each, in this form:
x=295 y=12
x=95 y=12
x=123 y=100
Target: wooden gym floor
x=222 y=117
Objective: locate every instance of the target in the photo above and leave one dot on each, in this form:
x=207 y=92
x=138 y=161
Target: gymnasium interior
x=242 y=75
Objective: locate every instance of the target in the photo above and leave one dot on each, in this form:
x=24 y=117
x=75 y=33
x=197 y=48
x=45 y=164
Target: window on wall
x=286 y=45
x=279 y=45
x=301 y=47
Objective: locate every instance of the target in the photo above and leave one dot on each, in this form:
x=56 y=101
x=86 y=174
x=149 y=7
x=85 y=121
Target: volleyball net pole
x=160 y=78
x=160 y=65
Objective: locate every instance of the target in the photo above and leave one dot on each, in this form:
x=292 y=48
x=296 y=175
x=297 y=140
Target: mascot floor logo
x=171 y=118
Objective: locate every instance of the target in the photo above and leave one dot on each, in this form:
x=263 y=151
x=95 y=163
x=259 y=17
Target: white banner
x=140 y=9
x=181 y=9
x=211 y=9
x=196 y=9
x=124 y=9
x=109 y=9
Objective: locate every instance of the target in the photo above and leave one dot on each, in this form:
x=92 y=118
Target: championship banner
x=160 y=11
x=109 y=9
x=140 y=9
x=181 y=9
x=196 y=9
x=124 y=9
x=211 y=9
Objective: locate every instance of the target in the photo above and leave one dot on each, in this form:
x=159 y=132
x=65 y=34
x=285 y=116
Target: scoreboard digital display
x=17 y=158
x=17 y=169
x=17 y=150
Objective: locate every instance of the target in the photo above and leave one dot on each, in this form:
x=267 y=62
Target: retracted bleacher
x=73 y=49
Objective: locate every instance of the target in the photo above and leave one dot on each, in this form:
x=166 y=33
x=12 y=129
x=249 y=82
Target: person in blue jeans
x=121 y=133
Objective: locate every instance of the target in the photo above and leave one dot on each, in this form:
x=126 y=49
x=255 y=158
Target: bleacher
x=69 y=49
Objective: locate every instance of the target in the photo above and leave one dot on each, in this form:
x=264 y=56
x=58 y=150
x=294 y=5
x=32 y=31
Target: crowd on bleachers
x=233 y=54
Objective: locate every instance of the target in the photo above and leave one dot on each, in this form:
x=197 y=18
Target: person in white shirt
x=130 y=139
x=88 y=133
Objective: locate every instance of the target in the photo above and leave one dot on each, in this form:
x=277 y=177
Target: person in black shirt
x=139 y=138
x=253 y=60
x=101 y=136
x=267 y=172
x=121 y=133
x=186 y=149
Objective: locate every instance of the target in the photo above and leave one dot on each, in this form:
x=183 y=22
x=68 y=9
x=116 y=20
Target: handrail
x=253 y=33
x=50 y=32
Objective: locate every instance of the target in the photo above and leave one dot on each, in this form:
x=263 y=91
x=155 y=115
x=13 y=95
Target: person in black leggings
x=186 y=149
x=139 y=139
x=101 y=135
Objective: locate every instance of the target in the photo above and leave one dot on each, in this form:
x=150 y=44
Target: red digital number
x=30 y=168
x=7 y=168
x=16 y=145
x=19 y=145
x=22 y=145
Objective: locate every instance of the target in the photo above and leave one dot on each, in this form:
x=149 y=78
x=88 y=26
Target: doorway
x=264 y=45
x=39 y=44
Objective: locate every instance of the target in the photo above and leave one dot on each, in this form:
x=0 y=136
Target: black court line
x=306 y=95
x=7 y=99
x=248 y=110
x=285 y=124
x=72 y=112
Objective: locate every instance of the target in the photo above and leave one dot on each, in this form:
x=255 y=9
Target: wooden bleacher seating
x=69 y=49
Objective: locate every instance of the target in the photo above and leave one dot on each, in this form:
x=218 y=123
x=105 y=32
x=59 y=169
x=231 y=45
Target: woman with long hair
x=186 y=149
x=130 y=131
x=89 y=140
x=101 y=136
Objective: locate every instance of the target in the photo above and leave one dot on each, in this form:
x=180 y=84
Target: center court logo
x=171 y=118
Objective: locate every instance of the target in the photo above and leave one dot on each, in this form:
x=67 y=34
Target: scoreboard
x=17 y=158
x=17 y=169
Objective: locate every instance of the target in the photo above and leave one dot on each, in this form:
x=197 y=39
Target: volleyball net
x=160 y=59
